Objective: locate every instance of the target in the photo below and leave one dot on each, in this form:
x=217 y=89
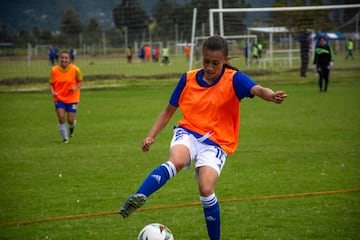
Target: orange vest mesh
x=214 y=109
x=62 y=80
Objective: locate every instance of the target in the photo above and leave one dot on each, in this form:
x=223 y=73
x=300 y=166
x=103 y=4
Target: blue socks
x=212 y=216
x=157 y=178
x=160 y=175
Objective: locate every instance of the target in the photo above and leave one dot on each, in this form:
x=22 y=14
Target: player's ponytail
x=227 y=65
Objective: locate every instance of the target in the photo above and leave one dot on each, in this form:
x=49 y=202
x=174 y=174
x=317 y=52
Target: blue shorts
x=69 y=107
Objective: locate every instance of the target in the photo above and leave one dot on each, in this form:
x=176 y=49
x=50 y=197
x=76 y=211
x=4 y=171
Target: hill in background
x=16 y=15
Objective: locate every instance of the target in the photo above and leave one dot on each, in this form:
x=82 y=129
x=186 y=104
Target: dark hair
x=217 y=42
x=322 y=37
x=64 y=52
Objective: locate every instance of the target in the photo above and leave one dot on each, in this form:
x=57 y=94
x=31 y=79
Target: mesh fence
x=102 y=46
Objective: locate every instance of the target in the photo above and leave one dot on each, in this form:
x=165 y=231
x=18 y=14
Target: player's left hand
x=279 y=96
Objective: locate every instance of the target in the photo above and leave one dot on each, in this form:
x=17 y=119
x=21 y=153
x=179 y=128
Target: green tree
x=171 y=17
x=115 y=37
x=47 y=37
x=4 y=35
x=93 y=32
x=23 y=38
x=71 y=26
x=301 y=21
x=36 y=32
x=131 y=16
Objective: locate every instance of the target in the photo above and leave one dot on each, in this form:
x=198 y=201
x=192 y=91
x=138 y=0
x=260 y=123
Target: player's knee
x=61 y=120
x=179 y=165
x=206 y=191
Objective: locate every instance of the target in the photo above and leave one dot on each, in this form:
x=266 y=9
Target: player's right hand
x=146 y=144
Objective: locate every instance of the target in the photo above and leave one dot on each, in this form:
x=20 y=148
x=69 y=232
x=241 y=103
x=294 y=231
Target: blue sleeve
x=242 y=85
x=174 y=99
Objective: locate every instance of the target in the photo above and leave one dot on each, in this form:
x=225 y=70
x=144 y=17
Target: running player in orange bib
x=209 y=99
x=65 y=81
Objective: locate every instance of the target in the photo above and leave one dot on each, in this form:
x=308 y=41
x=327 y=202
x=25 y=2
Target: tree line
x=168 y=20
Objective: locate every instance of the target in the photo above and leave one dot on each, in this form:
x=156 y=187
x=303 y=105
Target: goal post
x=272 y=9
x=302 y=22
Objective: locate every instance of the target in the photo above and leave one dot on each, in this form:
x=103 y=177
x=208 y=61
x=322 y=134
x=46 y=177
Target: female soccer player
x=65 y=81
x=209 y=99
x=324 y=61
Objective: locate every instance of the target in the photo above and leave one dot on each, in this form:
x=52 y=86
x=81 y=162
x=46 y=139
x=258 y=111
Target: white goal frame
x=271 y=9
x=221 y=10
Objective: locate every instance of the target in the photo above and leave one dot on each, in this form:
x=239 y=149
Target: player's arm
x=79 y=78
x=331 y=63
x=159 y=124
x=315 y=57
x=51 y=86
x=267 y=94
x=77 y=86
x=53 y=92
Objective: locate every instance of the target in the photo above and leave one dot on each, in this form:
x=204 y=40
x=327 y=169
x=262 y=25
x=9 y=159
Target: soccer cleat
x=71 y=130
x=65 y=141
x=134 y=202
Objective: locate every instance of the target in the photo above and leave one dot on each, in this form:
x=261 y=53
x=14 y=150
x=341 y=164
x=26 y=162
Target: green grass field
x=308 y=144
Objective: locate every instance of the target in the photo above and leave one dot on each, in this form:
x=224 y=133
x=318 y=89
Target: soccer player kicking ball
x=209 y=99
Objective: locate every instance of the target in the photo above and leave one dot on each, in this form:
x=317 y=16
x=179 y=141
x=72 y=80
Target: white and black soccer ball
x=155 y=231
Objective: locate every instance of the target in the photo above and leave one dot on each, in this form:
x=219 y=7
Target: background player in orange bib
x=209 y=99
x=65 y=81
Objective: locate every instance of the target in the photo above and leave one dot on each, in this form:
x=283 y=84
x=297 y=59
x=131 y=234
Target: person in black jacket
x=323 y=61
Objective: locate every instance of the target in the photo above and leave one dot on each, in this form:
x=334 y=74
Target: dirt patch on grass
x=28 y=80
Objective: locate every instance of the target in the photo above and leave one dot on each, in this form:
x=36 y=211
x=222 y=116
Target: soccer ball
x=155 y=231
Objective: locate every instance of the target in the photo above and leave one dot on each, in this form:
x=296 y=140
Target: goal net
x=109 y=43
x=285 y=33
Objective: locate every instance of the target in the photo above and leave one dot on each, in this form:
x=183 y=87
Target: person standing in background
x=323 y=62
x=129 y=54
x=255 y=53
x=157 y=53
x=187 y=52
x=165 y=56
x=72 y=55
x=147 y=50
x=246 y=53
x=349 y=49
x=141 y=55
x=52 y=55
x=260 y=48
